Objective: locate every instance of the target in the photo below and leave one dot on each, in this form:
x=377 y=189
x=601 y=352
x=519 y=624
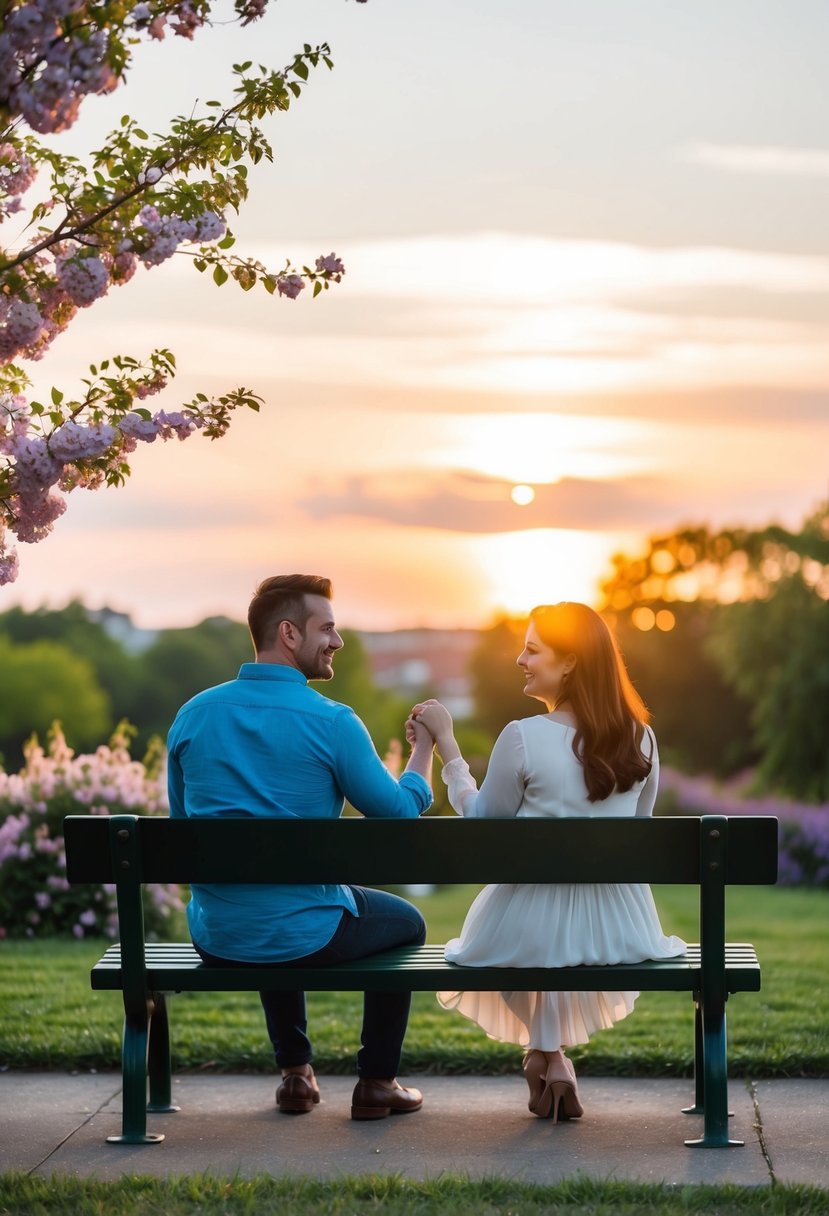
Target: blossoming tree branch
x=141 y=199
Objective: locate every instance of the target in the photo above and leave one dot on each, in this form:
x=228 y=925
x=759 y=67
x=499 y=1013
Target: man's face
x=315 y=654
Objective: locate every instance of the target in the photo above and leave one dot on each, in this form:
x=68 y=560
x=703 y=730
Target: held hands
x=435 y=718
x=417 y=735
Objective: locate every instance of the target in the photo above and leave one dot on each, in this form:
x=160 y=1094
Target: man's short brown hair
x=282 y=598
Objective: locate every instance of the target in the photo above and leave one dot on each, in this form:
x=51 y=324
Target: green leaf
x=57 y=396
x=317 y=289
x=219 y=275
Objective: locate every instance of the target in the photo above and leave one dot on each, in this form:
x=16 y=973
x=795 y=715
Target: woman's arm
x=502 y=791
x=647 y=795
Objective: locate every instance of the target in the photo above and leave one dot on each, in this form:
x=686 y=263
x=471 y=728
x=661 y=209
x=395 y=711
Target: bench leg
x=134 y=1091
x=158 y=1059
x=699 y=1068
x=715 y=1080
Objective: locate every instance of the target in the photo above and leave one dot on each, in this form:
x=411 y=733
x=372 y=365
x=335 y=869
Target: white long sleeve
x=647 y=795
x=502 y=790
x=533 y=772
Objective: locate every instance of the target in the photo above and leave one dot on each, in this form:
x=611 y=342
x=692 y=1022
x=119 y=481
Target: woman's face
x=543 y=668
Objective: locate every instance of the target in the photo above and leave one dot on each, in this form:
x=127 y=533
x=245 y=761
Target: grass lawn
x=49 y=1017
x=393 y=1196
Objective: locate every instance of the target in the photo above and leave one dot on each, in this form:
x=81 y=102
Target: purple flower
x=290 y=285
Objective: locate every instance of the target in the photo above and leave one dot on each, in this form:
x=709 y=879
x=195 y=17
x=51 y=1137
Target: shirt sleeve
x=366 y=782
x=175 y=781
x=502 y=791
x=647 y=795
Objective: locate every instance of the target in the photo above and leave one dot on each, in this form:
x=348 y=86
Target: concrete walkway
x=475 y=1126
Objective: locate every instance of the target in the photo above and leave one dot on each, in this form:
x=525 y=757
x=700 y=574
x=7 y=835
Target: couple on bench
x=268 y=744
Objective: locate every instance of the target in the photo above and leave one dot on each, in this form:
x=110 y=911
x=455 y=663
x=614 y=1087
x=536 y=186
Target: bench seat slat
x=176 y=967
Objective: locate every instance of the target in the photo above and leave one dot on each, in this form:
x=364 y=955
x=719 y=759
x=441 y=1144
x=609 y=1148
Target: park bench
x=711 y=852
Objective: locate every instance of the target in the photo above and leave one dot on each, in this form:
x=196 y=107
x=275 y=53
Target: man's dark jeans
x=383 y=921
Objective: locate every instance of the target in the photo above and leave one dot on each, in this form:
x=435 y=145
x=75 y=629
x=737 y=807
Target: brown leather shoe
x=375 y=1098
x=299 y=1091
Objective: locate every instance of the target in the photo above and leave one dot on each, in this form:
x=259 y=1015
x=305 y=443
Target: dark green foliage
x=703 y=725
x=775 y=652
x=497 y=684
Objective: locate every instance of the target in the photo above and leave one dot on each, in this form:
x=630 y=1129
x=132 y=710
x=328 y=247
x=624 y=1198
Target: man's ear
x=289 y=635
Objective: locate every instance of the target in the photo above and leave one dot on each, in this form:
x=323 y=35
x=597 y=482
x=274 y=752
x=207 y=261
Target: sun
x=522 y=495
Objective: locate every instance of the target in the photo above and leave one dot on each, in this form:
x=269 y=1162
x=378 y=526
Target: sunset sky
x=587 y=251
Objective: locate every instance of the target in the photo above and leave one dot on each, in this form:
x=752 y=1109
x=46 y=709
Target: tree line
x=726 y=634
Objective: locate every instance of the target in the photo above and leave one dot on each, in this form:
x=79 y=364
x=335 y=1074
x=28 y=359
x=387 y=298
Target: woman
x=592 y=753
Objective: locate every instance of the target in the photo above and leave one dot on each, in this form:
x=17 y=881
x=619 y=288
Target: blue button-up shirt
x=267 y=744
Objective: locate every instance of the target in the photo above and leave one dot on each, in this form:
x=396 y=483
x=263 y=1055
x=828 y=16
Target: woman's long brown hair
x=610 y=715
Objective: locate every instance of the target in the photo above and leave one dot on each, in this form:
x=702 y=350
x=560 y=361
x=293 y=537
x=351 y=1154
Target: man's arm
x=366 y=782
x=175 y=781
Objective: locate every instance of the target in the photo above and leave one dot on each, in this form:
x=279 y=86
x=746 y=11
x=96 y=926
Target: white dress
x=533 y=773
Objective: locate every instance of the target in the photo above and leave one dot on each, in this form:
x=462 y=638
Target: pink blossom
x=149 y=387
x=136 y=427
x=19 y=328
x=35 y=466
x=177 y=423
x=186 y=20
x=73 y=441
x=83 y=278
x=162 y=248
x=290 y=285
x=149 y=218
x=123 y=267
x=209 y=226
x=9 y=566
x=252 y=10
x=34 y=515
x=330 y=264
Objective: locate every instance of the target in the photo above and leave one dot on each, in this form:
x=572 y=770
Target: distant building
x=119 y=627
x=425 y=662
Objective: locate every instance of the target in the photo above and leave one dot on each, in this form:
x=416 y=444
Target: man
x=267 y=744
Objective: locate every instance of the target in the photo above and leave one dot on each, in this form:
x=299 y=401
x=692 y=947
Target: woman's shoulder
x=544 y=724
x=647 y=745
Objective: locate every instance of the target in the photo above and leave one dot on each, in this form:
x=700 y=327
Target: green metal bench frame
x=712 y=852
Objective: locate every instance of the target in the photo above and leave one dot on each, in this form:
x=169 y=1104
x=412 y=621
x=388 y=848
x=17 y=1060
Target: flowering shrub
x=804 y=827
x=35 y=898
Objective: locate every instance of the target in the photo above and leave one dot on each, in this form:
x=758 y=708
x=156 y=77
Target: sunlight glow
x=522 y=495
x=546 y=565
x=542 y=448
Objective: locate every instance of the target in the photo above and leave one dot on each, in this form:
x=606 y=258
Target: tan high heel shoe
x=535 y=1066
x=560 y=1081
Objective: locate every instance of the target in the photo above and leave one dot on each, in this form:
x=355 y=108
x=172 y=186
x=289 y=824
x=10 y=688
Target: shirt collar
x=271 y=671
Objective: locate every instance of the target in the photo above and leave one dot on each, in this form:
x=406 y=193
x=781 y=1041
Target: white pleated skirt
x=555 y=925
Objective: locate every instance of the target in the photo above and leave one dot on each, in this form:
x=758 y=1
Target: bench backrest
x=129 y=850
x=669 y=849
